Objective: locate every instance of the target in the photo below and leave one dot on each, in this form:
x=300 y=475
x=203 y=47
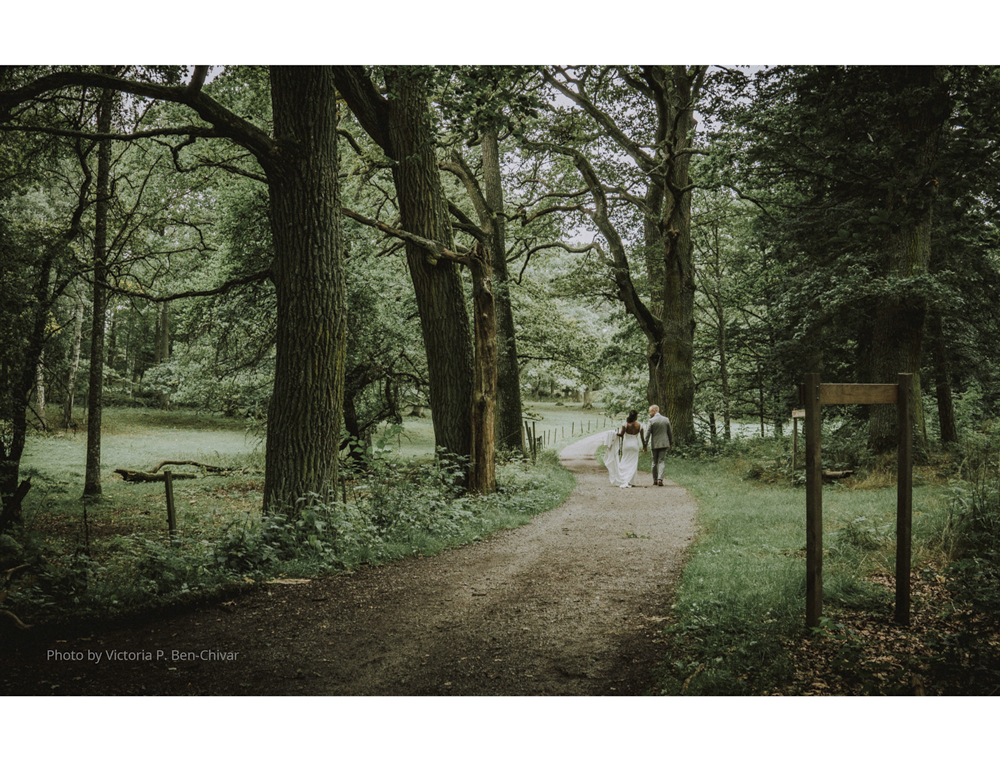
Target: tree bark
x=509 y=431
x=444 y=319
x=73 y=362
x=401 y=126
x=899 y=316
x=942 y=381
x=482 y=474
x=304 y=417
x=670 y=264
x=95 y=402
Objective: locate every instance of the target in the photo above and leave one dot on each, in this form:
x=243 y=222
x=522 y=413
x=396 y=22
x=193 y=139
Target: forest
x=324 y=257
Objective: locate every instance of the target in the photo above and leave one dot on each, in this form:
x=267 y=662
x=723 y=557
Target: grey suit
x=661 y=438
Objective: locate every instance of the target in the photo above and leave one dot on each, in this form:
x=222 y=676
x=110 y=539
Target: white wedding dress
x=629 y=462
x=622 y=470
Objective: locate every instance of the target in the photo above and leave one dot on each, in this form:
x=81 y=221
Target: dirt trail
x=571 y=604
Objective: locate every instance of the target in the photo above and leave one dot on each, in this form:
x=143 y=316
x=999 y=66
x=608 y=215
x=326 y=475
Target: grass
x=559 y=423
x=738 y=621
x=139 y=440
x=112 y=554
x=741 y=602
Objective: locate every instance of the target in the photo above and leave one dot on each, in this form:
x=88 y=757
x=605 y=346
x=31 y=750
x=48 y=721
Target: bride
x=633 y=439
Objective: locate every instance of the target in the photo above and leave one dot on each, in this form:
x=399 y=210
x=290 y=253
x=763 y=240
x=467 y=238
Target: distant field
x=139 y=440
x=560 y=424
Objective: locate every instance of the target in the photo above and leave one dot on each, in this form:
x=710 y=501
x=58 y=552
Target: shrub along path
x=571 y=604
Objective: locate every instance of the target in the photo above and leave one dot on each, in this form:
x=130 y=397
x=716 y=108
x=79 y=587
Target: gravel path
x=570 y=604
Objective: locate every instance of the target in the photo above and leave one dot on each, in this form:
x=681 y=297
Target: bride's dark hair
x=632 y=417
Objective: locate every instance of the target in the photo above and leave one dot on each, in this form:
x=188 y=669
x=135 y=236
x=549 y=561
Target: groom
x=660 y=438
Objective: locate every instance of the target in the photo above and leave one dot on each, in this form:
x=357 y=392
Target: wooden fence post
x=904 y=498
x=814 y=502
x=168 y=483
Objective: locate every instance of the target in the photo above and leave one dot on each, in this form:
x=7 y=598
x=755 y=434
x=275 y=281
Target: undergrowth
x=385 y=509
x=738 y=625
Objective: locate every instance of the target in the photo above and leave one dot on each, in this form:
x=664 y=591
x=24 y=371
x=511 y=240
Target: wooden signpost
x=814 y=395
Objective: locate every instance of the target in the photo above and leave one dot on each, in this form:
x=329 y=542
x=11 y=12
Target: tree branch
x=224 y=122
x=367 y=105
x=643 y=159
x=434 y=249
x=255 y=277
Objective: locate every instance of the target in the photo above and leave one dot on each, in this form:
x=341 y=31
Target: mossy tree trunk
x=95 y=397
x=401 y=126
x=304 y=417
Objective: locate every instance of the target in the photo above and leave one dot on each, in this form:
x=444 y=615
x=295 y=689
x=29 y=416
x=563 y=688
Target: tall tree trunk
x=899 y=316
x=670 y=263
x=163 y=347
x=92 y=477
x=444 y=318
x=73 y=362
x=482 y=475
x=509 y=431
x=401 y=125
x=304 y=417
x=942 y=381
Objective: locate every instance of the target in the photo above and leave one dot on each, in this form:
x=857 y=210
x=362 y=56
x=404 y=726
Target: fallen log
x=837 y=473
x=138 y=476
x=209 y=468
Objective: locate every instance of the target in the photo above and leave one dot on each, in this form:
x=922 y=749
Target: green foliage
x=740 y=606
x=388 y=508
x=971 y=536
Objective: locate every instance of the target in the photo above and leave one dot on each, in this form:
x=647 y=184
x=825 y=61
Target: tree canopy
x=327 y=248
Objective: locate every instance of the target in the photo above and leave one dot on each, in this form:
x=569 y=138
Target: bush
x=386 y=510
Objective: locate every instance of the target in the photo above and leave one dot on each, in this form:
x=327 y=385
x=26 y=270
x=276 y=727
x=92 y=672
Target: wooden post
x=814 y=502
x=904 y=498
x=534 y=442
x=168 y=483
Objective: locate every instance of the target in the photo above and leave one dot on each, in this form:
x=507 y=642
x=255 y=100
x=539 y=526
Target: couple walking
x=656 y=435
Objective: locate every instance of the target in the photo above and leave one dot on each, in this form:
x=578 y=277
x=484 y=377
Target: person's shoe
x=659 y=483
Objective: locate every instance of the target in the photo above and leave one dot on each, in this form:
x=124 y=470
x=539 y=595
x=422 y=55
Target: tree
x=37 y=267
x=644 y=120
x=847 y=163
x=95 y=400
x=490 y=234
x=483 y=106
x=299 y=163
x=401 y=126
